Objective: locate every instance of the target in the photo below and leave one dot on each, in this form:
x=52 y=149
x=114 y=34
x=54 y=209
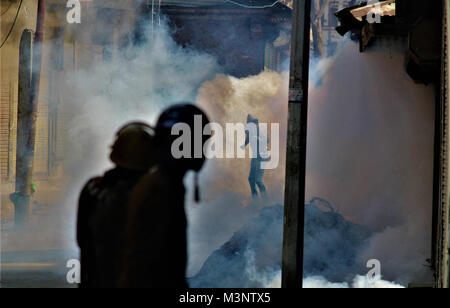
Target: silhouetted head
x=184 y=113
x=134 y=147
x=251 y=119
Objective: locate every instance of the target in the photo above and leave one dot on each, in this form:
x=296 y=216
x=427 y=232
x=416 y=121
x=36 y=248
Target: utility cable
x=14 y=23
x=229 y=1
x=254 y=7
x=6 y=11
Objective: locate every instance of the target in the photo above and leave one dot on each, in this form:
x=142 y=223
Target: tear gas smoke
x=370 y=143
x=370 y=151
x=359 y=282
x=227 y=205
x=273 y=280
x=102 y=95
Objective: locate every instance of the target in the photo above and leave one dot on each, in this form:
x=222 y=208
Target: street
x=35 y=269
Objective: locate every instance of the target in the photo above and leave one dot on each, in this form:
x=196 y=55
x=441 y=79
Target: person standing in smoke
x=155 y=250
x=103 y=201
x=256 y=138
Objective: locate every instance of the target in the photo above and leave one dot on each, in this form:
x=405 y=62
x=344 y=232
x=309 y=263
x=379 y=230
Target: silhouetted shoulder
x=86 y=203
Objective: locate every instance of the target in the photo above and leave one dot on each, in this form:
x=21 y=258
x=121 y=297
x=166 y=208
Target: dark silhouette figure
x=102 y=205
x=256 y=175
x=155 y=246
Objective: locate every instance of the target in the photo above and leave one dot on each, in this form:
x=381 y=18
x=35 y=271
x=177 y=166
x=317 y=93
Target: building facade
x=65 y=49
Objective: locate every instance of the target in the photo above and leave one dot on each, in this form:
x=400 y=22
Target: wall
x=64 y=51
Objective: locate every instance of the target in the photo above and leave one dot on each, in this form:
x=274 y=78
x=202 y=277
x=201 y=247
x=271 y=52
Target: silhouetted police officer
x=155 y=251
x=102 y=204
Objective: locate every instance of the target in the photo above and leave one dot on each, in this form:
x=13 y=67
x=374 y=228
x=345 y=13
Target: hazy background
x=370 y=142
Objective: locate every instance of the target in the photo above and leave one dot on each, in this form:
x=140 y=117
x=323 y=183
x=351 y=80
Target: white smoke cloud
x=370 y=153
x=268 y=278
x=135 y=85
x=229 y=100
x=370 y=143
x=272 y=279
x=98 y=97
x=370 y=150
x=227 y=204
x=359 y=282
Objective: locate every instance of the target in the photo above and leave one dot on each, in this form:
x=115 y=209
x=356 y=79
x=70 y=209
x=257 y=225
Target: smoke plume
x=370 y=152
x=370 y=143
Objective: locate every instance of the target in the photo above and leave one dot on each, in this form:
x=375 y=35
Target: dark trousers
x=256 y=179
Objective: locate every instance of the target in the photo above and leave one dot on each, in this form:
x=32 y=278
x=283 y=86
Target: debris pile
x=255 y=251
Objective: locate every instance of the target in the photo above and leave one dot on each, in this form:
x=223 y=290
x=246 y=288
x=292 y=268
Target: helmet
x=180 y=113
x=134 y=147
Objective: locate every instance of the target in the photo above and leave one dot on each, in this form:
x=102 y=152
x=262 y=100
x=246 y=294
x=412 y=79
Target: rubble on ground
x=253 y=255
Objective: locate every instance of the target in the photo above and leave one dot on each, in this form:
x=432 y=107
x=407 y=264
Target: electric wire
x=254 y=7
x=6 y=11
x=14 y=23
x=229 y=1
